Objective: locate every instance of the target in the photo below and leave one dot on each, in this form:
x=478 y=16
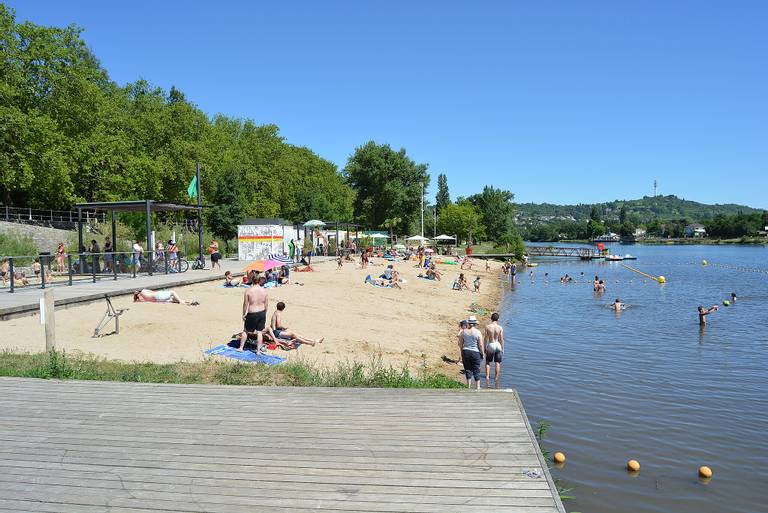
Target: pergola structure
x=147 y=206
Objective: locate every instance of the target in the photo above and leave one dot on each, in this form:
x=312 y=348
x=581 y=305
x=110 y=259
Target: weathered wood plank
x=136 y=448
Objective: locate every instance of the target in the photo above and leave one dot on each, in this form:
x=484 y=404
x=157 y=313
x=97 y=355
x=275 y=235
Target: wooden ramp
x=88 y=447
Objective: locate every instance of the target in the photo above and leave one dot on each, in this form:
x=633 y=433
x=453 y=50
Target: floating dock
x=94 y=447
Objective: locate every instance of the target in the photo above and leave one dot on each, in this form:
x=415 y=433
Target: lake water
x=647 y=383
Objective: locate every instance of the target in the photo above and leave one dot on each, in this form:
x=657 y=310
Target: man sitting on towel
x=282 y=333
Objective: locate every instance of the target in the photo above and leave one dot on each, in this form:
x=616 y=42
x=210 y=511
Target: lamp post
x=422 y=209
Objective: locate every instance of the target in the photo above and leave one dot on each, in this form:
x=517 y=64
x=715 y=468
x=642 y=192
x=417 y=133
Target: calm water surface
x=647 y=383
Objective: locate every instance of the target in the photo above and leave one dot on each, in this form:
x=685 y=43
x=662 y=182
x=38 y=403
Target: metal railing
x=48 y=270
x=33 y=215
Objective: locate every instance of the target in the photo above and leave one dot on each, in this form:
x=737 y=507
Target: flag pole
x=199 y=215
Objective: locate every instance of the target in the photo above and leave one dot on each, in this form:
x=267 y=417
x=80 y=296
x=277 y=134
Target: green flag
x=192 y=189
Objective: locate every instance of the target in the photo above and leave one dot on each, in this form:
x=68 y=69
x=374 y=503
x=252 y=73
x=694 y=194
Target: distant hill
x=641 y=210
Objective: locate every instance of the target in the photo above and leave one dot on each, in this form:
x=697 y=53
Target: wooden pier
x=93 y=447
x=548 y=251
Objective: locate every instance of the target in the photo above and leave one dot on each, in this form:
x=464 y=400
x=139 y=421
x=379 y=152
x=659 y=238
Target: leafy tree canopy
x=387 y=184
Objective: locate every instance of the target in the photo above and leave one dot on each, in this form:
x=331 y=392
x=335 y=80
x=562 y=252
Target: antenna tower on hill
x=655 y=187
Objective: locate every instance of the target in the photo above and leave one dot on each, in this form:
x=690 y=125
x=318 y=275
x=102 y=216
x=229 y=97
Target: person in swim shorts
x=494 y=348
x=255 y=303
x=160 y=296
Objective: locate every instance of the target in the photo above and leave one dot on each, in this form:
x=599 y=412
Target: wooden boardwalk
x=88 y=447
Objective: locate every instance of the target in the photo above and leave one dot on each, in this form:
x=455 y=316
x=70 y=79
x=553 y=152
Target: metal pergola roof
x=136 y=206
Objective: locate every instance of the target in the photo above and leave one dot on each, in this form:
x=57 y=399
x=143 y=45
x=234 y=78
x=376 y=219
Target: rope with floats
x=658 y=279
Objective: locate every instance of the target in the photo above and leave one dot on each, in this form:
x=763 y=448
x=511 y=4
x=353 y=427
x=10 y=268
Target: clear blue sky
x=563 y=102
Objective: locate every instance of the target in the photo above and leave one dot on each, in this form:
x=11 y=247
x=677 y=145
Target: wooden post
x=47 y=318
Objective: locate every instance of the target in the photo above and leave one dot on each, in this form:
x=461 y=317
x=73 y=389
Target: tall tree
x=387 y=184
x=442 y=198
x=463 y=220
x=496 y=208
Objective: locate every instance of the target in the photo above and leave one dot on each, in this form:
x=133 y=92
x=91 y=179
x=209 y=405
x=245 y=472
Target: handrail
x=26 y=214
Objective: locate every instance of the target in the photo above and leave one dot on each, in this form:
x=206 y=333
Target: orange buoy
x=633 y=466
x=559 y=457
x=705 y=472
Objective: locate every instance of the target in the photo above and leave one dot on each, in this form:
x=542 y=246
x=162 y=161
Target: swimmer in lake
x=733 y=297
x=703 y=312
x=595 y=283
x=617 y=305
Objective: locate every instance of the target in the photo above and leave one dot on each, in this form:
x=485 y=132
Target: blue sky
x=563 y=102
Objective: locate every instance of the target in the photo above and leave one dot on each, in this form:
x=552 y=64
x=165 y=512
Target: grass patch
x=62 y=365
x=15 y=244
x=541 y=433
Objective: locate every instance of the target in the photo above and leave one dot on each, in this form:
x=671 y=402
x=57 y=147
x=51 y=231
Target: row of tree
x=68 y=134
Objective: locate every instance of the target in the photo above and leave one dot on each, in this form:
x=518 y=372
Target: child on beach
x=229 y=281
x=339 y=262
x=476 y=284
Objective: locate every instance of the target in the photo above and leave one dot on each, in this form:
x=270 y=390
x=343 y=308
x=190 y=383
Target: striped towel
x=281 y=258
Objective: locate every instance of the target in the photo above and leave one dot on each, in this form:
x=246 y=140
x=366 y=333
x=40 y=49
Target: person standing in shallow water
x=494 y=349
x=703 y=312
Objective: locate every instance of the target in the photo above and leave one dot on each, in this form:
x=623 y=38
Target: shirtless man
x=255 y=302
x=703 y=312
x=281 y=332
x=494 y=348
x=617 y=305
x=160 y=296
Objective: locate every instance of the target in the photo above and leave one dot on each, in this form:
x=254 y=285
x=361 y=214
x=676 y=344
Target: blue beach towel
x=245 y=356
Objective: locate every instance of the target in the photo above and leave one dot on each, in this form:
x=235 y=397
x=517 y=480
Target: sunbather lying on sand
x=160 y=296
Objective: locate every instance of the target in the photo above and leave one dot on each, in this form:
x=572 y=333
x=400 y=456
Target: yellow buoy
x=704 y=262
x=559 y=457
x=726 y=302
x=633 y=465
x=661 y=279
x=705 y=472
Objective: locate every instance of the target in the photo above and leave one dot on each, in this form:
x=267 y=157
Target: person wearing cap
x=472 y=351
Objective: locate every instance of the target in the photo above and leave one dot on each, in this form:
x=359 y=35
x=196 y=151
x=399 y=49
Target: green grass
x=61 y=365
x=14 y=244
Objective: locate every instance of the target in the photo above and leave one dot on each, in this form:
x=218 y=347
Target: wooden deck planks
x=125 y=447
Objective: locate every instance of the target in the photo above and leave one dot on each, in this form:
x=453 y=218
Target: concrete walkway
x=26 y=300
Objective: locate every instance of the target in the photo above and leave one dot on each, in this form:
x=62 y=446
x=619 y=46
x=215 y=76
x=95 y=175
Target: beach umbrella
x=377 y=236
x=399 y=246
x=281 y=258
x=263 y=265
x=313 y=223
x=417 y=237
x=444 y=237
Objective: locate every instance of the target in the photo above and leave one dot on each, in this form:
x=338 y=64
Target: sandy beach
x=358 y=321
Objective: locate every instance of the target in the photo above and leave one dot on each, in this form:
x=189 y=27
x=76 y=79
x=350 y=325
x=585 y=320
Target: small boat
x=531 y=264
x=629 y=257
x=613 y=258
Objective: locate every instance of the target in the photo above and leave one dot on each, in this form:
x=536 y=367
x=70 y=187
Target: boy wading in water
x=704 y=312
x=472 y=350
x=494 y=349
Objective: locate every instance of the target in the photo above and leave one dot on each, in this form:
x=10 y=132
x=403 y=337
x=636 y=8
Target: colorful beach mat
x=244 y=356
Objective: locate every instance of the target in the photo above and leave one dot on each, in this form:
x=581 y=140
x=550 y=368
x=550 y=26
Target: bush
x=15 y=244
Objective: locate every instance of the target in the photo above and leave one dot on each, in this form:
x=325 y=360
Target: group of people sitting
x=389 y=278
x=271 y=278
x=20 y=278
x=461 y=283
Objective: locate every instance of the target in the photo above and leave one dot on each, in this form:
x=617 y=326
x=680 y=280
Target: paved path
x=25 y=300
x=97 y=447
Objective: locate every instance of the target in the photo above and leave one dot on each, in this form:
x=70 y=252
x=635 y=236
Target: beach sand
x=358 y=321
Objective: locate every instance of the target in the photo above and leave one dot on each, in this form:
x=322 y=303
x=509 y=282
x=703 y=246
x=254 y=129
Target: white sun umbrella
x=378 y=236
x=417 y=237
x=313 y=223
x=444 y=237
